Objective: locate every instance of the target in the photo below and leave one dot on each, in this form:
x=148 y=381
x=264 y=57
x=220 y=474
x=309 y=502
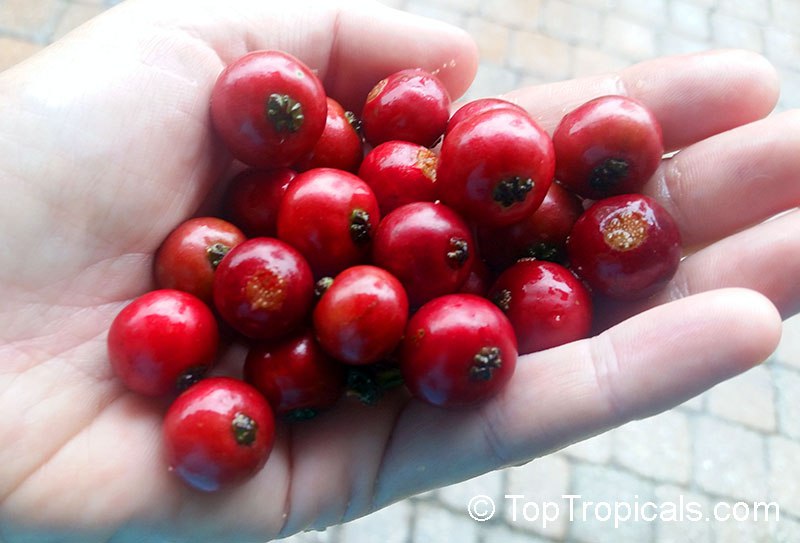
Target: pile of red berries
x=345 y=270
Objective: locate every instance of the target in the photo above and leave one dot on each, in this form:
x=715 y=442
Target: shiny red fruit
x=217 y=433
x=546 y=304
x=190 y=254
x=458 y=350
x=625 y=247
x=610 y=145
x=479 y=279
x=330 y=216
x=295 y=375
x=400 y=172
x=361 y=317
x=475 y=107
x=340 y=144
x=410 y=105
x=264 y=288
x=162 y=342
x=428 y=247
x=495 y=168
x=251 y=200
x=268 y=108
x=541 y=235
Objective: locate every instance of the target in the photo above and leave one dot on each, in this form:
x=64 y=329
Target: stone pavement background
x=739 y=441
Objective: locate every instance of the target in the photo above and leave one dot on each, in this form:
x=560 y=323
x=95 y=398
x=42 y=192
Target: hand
x=105 y=146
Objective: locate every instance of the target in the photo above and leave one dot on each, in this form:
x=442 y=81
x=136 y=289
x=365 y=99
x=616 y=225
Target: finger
x=646 y=364
x=693 y=96
x=733 y=180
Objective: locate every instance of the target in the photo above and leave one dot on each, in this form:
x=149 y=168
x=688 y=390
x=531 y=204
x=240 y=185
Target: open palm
x=105 y=146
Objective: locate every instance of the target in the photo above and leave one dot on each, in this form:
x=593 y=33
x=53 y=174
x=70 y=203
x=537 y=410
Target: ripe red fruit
x=340 y=144
x=410 y=105
x=329 y=215
x=217 y=433
x=361 y=317
x=268 y=108
x=625 y=247
x=251 y=200
x=295 y=375
x=162 y=342
x=400 y=172
x=428 y=247
x=191 y=253
x=495 y=168
x=610 y=145
x=458 y=350
x=541 y=235
x=475 y=107
x=264 y=288
x=546 y=304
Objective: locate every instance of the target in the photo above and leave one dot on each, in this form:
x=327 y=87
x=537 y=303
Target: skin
x=105 y=146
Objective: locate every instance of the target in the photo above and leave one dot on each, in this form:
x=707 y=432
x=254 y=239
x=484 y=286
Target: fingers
x=692 y=96
x=648 y=363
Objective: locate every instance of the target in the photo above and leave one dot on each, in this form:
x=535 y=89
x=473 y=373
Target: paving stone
x=658 y=447
x=441 y=13
x=752 y=10
x=389 y=525
x=492 y=80
x=14 y=51
x=788 y=401
x=630 y=39
x=438 y=525
x=789 y=99
x=593 y=61
x=572 y=22
x=786 y=14
x=464 y=6
x=698 y=403
x=538 y=54
x=784 y=477
x=785 y=531
x=29 y=18
x=729 y=460
x=326 y=536
x=514 y=13
x=788 y=351
x=459 y=495
x=681 y=516
x=782 y=48
x=597 y=449
x=503 y=534
x=729 y=31
x=607 y=488
x=493 y=39
x=541 y=483
x=747 y=398
x=732 y=531
x=650 y=12
x=689 y=19
x=73 y=17
x=672 y=43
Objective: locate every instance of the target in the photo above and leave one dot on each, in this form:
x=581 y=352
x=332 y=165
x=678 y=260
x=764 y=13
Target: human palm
x=105 y=146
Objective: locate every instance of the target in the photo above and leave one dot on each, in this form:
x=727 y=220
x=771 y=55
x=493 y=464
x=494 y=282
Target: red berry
x=495 y=168
x=361 y=317
x=475 y=107
x=329 y=216
x=546 y=304
x=541 y=235
x=268 y=108
x=191 y=253
x=252 y=199
x=162 y=342
x=264 y=288
x=458 y=350
x=217 y=433
x=340 y=144
x=428 y=247
x=295 y=375
x=608 y=146
x=400 y=172
x=625 y=247
x=410 y=105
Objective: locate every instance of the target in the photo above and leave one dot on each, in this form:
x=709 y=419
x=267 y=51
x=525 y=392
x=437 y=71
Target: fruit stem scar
x=285 y=113
x=244 y=429
x=458 y=253
x=512 y=190
x=360 y=228
x=502 y=299
x=608 y=174
x=216 y=252
x=543 y=251
x=485 y=362
x=189 y=377
x=322 y=286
